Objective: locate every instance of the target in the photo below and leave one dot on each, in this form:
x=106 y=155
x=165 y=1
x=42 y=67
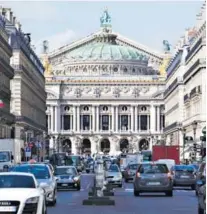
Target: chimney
x=11 y=17
x=8 y=10
x=18 y=26
x=14 y=20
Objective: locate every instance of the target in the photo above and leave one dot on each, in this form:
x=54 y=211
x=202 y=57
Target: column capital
x=76 y=105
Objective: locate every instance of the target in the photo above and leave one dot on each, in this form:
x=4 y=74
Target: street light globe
x=194 y=124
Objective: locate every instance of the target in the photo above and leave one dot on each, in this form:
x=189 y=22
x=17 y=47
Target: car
x=45 y=178
x=199 y=175
x=130 y=171
x=114 y=176
x=153 y=177
x=202 y=198
x=20 y=193
x=184 y=176
x=67 y=177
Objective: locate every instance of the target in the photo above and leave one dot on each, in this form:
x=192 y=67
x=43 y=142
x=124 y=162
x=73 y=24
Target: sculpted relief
x=50 y=96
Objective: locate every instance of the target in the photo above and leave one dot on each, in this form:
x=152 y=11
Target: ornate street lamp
x=184 y=135
x=194 y=124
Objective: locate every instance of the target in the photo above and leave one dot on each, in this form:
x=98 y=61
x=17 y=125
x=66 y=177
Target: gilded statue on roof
x=47 y=66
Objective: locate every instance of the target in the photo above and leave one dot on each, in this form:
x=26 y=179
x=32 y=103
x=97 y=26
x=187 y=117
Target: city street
x=183 y=201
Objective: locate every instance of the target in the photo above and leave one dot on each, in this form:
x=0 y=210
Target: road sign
x=27 y=149
x=28 y=152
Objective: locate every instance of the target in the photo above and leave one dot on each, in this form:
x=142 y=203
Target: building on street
x=28 y=97
x=6 y=74
x=104 y=93
x=185 y=93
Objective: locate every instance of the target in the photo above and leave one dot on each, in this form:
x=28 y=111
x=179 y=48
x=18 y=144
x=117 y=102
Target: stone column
x=117 y=119
x=158 y=118
x=52 y=119
x=74 y=119
x=152 y=118
x=49 y=121
x=136 y=115
x=62 y=126
x=148 y=122
x=56 y=119
x=132 y=118
x=112 y=116
x=77 y=118
x=97 y=118
x=93 y=118
x=71 y=122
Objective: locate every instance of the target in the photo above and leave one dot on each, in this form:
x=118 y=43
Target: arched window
x=67 y=108
x=125 y=70
x=124 y=108
x=115 y=69
x=133 y=70
x=86 y=108
x=105 y=108
x=144 y=108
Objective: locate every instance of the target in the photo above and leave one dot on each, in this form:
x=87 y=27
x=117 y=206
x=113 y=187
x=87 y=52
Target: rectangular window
x=124 y=122
x=143 y=122
x=105 y=122
x=86 y=122
x=66 y=122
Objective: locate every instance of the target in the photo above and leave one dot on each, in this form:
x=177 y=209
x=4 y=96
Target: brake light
x=138 y=175
x=169 y=175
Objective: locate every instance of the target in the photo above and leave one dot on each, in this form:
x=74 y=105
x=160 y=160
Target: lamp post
x=194 y=124
x=53 y=137
x=184 y=135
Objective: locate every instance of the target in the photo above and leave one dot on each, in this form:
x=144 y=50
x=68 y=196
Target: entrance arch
x=105 y=145
x=86 y=146
x=67 y=145
x=124 y=145
x=143 y=144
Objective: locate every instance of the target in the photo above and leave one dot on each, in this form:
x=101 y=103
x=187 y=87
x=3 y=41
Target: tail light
x=138 y=175
x=169 y=175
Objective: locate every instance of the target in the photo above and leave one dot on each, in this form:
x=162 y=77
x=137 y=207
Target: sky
x=62 y=22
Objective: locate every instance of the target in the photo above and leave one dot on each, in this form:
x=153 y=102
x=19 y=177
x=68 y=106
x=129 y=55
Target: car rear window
x=133 y=166
x=184 y=168
x=153 y=168
x=113 y=168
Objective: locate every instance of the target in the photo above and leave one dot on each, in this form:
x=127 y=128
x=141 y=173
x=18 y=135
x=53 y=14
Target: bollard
x=96 y=194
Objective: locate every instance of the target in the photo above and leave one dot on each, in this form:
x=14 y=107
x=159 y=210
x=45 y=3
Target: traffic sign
x=27 y=149
x=28 y=152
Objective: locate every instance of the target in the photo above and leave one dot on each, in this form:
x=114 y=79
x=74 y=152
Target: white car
x=20 y=193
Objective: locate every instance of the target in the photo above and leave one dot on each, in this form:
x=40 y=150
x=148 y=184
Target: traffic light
x=203 y=138
x=195 y=147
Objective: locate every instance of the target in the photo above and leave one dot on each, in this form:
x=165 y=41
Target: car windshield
x=133 y=166
x=16 y=181
x=184 y=168
x=4 y=157
x=153 y=168
x=65 y=171
x=40 y=172
x=113 y=168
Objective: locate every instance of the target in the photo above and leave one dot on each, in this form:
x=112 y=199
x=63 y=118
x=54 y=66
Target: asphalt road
x=183 y=201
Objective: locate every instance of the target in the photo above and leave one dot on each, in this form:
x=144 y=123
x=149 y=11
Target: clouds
x=56 y=41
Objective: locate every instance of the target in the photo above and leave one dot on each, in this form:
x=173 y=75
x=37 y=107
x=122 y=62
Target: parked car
x=20 y=193
x=153 y=177
x=45 y=179
x=184 y=176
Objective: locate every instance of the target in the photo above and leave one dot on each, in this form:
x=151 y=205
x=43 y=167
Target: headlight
x=76 y=178
x=32 y=200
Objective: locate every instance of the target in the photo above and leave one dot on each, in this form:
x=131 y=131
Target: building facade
x=104 y=93
x=28 y=97
x=185 y=94
x=6 y=74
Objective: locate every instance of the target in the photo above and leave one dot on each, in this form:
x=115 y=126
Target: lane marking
x=175 y=190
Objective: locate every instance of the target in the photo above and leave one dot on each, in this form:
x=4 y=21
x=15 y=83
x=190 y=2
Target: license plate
x=154 y=183
x=64 y=185
x=8 y=209
x=184 y=176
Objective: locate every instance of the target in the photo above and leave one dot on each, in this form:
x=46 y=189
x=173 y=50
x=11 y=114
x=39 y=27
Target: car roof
x=62 y=167
x=17 y=173
x=29 y=164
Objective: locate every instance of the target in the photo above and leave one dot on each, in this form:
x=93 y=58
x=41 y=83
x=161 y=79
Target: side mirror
x=56 y=178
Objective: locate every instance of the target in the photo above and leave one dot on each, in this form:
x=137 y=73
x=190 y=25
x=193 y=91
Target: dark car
x=199 y=174
x=67 y=177
x=153 y=177
x=202 y=199
x=184 y=176
x=130 y=172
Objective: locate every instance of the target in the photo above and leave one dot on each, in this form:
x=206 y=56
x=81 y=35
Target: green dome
x=103 y=51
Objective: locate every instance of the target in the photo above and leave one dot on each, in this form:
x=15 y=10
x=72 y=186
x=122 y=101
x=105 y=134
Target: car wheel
x=136 y=193
x=126 y=180
x=193 y=187
x=87 y=171
x=120 y=185
x=169 y=193
x=44 y=211
x=78 y=188
x=54 y=199
x=200 y=211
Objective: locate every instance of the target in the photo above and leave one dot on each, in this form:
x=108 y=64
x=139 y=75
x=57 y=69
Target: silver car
x=67 y=177
x=114 y=176
x=153 y=177
x=45 y=178
x=184 y=175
